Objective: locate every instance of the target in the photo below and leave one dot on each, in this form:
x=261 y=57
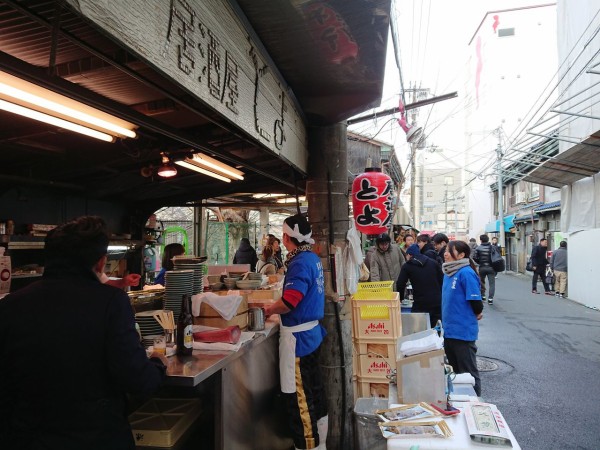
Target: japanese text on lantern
x=372 y=203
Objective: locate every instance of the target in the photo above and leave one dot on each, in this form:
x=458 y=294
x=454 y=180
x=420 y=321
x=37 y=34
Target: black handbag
x=529 y=266
x=498 y=263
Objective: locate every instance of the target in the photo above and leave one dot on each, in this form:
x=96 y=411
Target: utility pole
x=446 y=209
x=413 y=158
x=499 y=155
x=413 y=168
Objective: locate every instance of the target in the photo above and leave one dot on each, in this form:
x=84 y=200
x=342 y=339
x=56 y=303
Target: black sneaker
x=490 y=301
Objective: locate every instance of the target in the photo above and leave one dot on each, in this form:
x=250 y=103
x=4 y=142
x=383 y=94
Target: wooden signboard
x=205 y=48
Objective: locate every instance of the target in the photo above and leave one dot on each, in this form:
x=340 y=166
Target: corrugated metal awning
x=578 y=162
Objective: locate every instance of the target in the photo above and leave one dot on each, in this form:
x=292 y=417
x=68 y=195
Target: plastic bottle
x=185 y=338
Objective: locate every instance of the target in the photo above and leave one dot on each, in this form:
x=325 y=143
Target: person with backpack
x=483 y=257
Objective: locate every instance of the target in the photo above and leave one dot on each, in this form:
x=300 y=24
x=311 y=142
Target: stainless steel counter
x=244 y=386
x=189 y=371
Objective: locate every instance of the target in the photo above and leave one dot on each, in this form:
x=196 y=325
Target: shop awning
x=552 y=206
x=578 y=162
x=494 y=227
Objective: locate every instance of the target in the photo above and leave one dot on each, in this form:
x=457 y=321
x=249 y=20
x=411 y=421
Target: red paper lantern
x=372 y=202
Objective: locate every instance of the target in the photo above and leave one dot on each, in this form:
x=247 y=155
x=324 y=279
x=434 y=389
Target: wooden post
x=327 y=194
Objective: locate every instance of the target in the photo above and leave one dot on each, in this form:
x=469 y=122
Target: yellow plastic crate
x=375 y=294
x=377 y=319
x=376 y=285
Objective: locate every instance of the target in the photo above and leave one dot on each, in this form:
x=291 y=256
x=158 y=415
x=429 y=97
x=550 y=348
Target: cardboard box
x=374 y=359
x=5 y=274
x=161 y=422
x=421 y=378
x=211 y=318
x=371 y=387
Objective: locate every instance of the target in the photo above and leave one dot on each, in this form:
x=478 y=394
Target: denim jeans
x=489 y=273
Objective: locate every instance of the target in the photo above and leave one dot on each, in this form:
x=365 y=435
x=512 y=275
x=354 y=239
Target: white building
x=438 y=204
x=577 y=167
x=513 y=56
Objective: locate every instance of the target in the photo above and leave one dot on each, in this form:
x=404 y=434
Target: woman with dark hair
x=277 y=253
x=171 y=250
x=461 y=309
x=245 y=254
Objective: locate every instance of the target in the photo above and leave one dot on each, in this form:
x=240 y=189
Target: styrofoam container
x=421 y=378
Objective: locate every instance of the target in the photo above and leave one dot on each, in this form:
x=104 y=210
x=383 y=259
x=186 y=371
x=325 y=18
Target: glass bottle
x=185 y=338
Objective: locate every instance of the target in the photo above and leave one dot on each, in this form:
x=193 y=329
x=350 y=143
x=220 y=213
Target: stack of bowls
x=248 y=284
x=255 y=276
x=177 y=284
x=230 y=282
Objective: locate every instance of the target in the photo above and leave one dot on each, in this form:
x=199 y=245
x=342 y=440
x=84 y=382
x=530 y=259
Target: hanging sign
x=372 y=201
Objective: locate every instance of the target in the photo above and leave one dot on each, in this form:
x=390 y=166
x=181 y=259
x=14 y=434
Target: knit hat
x=382 y=238
x=413 y=250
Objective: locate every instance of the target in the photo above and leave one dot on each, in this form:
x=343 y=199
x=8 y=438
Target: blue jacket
x=458 y=317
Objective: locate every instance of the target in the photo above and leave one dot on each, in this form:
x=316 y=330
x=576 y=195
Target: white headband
x=295 y=233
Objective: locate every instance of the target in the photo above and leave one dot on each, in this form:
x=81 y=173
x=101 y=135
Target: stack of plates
x=197 y=267
x=149 y=327
x=177 y=284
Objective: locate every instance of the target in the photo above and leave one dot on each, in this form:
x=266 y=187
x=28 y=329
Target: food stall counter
x=189 y=371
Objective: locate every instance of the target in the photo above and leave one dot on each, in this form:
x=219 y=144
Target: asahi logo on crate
x=379 y=366
x=377 y=328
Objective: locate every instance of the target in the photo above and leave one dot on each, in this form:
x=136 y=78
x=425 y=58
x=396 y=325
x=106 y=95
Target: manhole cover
x=485 y=365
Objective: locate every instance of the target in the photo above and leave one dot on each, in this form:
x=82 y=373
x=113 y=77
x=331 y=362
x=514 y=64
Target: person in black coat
x=427 y=249
x=70 y=351
x=483 y=257
x=539 y=261
x=440 y=242
x=245 y=254
x=426 y=278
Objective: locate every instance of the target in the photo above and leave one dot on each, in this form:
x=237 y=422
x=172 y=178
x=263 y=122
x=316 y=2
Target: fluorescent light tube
x=189 y=165
x=30 y=113
x=218 y=166
x=30 y=95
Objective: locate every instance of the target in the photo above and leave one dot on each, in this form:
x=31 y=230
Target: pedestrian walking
x=462 y=308
x=408 y=240
x=558 y=264
x=473 y=244
x=426 y=278
x=424 y=243
x=539 y=261
x=497 y=247
x=386 y=259
x=440 y=241
x=245 y=254
x=483 y=257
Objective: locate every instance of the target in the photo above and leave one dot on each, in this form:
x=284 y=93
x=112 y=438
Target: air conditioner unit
x=521 y=197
